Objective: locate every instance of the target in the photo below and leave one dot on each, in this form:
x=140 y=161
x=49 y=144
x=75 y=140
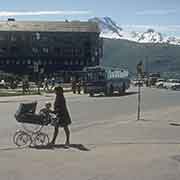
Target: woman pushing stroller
x=62 y=114
x=26 y=115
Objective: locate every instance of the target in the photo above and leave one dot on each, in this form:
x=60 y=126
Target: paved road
x=108 y=142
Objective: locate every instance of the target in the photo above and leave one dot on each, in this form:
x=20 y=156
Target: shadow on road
x=174 y=124
x=79 y=147
x=117 y=94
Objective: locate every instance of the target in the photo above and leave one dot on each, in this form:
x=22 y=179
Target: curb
x=27 y=98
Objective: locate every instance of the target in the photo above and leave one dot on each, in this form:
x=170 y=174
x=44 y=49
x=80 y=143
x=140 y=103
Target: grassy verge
x=6 y=93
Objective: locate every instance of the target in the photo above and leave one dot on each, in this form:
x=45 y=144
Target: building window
x=57 y=50
x=44 y=37
x=76 y=62
x=28 y=61
x=81 y=62
x=13 y=38
x=96 y=52
x=44 y=62
x=2 y=50
x=93 y=59
x=66 y=62
x=77 y=52
x=13 y=49
x=38 y=36
x=7 y=61
x=23 y=38
x=71 y=62
x=35 y=50
x=39 y=62
x=2 y=38
x=45 y=50
x=12 y=61
x=50 y=61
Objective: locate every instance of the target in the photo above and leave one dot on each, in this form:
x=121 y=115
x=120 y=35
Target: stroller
x=32 y=124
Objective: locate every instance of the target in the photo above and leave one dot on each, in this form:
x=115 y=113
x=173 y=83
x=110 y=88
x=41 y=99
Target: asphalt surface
x=107 y=140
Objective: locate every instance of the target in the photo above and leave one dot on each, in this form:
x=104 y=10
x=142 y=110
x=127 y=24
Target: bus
x=105 y=80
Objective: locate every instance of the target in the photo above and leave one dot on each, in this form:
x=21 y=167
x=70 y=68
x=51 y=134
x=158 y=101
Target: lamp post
x=36 y=71
x=139 y=69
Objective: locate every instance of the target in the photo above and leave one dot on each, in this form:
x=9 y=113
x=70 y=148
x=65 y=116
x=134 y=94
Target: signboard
x=139 y=68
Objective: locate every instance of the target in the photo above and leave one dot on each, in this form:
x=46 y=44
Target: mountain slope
x=109 y=29
x=156 y=57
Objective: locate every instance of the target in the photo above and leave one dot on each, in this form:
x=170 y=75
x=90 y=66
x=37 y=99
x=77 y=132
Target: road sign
x=139 y=68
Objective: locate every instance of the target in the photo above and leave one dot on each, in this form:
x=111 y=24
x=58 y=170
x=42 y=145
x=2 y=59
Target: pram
x=32 y=124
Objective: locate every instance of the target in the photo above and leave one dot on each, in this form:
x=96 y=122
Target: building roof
x=54 y=26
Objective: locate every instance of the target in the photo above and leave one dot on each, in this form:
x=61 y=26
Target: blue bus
x=105 y=80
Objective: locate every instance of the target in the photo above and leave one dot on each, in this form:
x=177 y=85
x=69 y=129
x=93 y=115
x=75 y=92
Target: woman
x=63 y=117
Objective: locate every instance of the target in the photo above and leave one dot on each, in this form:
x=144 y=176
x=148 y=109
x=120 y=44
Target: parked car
x=160 y=83
x=176 y=87
x=169 y=84
x=3 y=84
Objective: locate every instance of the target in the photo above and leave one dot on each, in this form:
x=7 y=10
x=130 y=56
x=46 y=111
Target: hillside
x=156 y=56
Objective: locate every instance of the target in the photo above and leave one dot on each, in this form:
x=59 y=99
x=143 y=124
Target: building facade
x=49 y=48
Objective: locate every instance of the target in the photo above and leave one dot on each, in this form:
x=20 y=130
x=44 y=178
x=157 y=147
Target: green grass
x=17 y=94
x=6 y=93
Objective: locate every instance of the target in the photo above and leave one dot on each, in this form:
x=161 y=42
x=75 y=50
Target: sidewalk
x=25 y=98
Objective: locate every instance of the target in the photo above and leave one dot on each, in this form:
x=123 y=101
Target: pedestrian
x=24 y=86
x=52 y=83
x=74 y=86
x=46 y=86
x=63 y=117
x=79 y=87
x=27 y=86
x=124 y=87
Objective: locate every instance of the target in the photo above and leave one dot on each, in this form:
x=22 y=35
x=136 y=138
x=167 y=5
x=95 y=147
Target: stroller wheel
x=41 y=139
x=22 y=139
x=16 y=135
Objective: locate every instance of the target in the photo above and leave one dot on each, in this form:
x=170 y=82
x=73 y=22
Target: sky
x=138 y=15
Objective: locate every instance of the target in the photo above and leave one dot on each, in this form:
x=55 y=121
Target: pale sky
x=162 y=15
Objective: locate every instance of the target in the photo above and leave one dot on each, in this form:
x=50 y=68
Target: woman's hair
x=59 y=90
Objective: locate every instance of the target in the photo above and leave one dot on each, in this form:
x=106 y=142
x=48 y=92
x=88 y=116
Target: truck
x=105 y=80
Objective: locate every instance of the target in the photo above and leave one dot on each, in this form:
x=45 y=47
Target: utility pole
x=139 y=69
x=36 y=70
x=139 y=99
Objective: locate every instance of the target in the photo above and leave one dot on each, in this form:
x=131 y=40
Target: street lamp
x=139 y=68
x=36 y=71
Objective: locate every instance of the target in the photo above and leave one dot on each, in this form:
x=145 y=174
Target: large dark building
x=49 y=48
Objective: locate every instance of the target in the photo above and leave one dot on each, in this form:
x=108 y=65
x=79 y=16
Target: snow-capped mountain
x=109 y=29
x=107 y=25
